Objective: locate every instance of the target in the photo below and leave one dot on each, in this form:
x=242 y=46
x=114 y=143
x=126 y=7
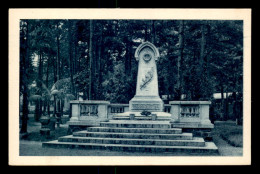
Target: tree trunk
x=180 y=57
x=71 y=59
x=40 y=84
x=201 y=62
x=90 y=59
x=222 y=101
x=25 y=62
x=127 y=58
x=202 y=46
x=100 y=53
x=153 y=33
x=54 y=106
x=235 y=115
x=47 y=85
x=58 y=57
x=227 y=107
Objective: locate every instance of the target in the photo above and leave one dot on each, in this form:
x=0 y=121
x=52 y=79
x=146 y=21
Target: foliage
x=197 y=58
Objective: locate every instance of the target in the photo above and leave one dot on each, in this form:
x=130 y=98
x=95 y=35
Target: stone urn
x=58 y=117
x=45 y=130
x=52 y=123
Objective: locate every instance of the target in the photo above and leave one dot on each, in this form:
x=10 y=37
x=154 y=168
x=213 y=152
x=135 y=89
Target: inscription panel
x=146 y=107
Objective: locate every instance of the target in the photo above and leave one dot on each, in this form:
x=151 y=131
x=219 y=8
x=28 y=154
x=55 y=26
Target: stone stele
x=147 y=94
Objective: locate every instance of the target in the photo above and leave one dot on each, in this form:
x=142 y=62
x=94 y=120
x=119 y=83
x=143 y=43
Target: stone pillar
x=75 y=110
x=175 y=112
x=205 y=113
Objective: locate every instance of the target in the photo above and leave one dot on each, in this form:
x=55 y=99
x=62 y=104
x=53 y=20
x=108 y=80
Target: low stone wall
x=88 y=113
x=189 y=115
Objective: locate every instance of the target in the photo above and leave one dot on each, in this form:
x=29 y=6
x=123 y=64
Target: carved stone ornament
x=147 y=79
x=147 y=57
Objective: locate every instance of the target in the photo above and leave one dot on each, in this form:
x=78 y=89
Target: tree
x=70 y=40
x=90 y=58
x=197 y=58
x=24 y=59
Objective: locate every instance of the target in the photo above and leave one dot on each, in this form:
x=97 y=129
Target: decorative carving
x=147 y=57
x=88 y=110
x=145 y=107
x=117 y=109
x=148 y=78
x=191 y=111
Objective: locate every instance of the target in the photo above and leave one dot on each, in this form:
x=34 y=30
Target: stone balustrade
x=117 y=108
x=191 y=114
x=89 y=113
x=184 y=113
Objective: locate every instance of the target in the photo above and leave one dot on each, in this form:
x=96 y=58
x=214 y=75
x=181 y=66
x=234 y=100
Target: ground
x=32 y=145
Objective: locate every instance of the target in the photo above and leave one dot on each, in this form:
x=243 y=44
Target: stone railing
x=190 y=111
x=193 y=112
x=117 y=108
x=167 y=108
x=88 y=110
x=93 y=112
x=84 y=109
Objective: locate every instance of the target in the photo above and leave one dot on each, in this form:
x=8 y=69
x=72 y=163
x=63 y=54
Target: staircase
x=137 y=136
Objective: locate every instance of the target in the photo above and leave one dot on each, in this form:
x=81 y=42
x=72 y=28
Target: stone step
x=199 y=142
x=182 y=136
x=141 y=118
x=136 y=124
x=135 y=130
x=209 y=148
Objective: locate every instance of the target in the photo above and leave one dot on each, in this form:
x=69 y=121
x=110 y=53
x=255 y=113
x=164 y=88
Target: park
x=131 y=88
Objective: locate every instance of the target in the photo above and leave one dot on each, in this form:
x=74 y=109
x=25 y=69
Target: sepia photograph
x=166 y=88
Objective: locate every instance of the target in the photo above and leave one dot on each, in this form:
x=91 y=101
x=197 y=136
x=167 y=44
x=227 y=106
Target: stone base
x=146 y=103
x=45 y=131
x=163 y=116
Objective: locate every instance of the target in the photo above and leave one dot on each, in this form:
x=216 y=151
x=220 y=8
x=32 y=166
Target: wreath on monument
x=146 y=113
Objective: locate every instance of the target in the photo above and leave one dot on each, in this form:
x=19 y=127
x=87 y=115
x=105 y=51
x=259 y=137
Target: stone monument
x=147 y=93
x=145 y=127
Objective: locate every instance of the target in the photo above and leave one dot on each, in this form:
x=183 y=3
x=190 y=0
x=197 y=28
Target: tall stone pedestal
x=147 y=95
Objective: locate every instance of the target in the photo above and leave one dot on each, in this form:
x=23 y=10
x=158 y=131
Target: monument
x=147 y=93
x=145 y=127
